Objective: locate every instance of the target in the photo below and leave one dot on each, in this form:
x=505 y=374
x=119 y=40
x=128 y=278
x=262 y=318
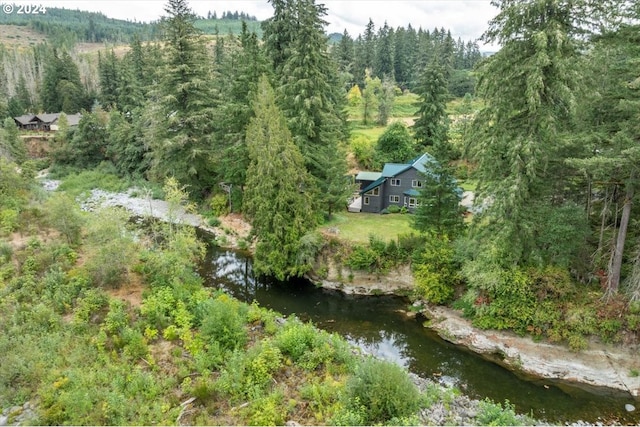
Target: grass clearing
x=356 y=227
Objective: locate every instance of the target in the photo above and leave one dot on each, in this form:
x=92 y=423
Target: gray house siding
x=396 y=192
x=375 y=203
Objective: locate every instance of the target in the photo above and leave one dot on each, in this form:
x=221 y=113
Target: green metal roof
x=373 y=185
x=368 y=176
x=411 y=193
x=393 y=169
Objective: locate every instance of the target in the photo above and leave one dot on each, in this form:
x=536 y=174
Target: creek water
x=378 y=325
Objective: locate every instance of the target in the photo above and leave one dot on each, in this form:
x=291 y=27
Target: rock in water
x=629 y=407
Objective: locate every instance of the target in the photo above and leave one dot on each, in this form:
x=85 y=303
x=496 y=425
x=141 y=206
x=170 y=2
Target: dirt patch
x=130 y=291
x=236 y=223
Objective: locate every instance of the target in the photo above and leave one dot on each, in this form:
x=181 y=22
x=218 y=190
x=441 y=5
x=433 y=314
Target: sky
x=467 y=19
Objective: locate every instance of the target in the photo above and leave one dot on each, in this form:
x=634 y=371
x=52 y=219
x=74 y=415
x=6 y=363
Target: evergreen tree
x=312 y=99
x=430 y=128
x=11 y=145
x=278 y=32
x=277 y=195
x=384 y=53
x=109 y=79
x=62 y=89
x=611 y=136
x=236 y=86
x=439 y=209
x=181 y=145
x=528 y=88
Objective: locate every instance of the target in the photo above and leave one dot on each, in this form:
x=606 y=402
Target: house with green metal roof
x=398 y=184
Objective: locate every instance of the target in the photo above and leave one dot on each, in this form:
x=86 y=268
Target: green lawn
x=356 y=227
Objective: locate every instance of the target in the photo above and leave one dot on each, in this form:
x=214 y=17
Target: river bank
x=605 y=367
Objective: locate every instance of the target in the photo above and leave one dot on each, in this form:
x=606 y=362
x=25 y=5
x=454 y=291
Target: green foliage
x=278 y=209
x=103 y=177
x=439 y=209
x=494 y=414
x=267 y=411
x=395 y=145
x=247 y=375
x=363 y=150
x=11 y=145
x=112 y=247
x=220 y=204
x=223 y=322
x=383 y=390
x=64 y=214
x=436 y=271
x=309 y=347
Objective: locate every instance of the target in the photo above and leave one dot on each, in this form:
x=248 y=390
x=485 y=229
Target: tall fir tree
x=439 y=211
x=312 y=99
x=277 y=196
x=180 y=144
x=611 y=138
x=529 y=90
x=431 y=126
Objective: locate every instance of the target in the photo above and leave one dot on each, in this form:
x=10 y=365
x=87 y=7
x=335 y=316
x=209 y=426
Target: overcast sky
x=465 y=18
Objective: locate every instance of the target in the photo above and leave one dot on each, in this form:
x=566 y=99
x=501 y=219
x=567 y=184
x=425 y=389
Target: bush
x=220 y=204
x=361 y=258
x=223 y=321
x=248 y=375
x=383 y=389
x=436 y=271
x=363 y=150
x=393 y=209
x=493 y=414
x=213 y=221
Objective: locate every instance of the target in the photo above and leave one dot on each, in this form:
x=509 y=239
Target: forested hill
x=66 y=26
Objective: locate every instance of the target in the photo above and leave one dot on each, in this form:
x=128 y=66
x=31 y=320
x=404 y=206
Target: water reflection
x=378 y=326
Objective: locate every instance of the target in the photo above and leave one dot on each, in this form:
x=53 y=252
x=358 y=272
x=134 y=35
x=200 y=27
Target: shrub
x=247 y=375
x=6 y=252
x=220 y=204
x=363 y=150
x=361 y=258
x=436 y=271
x=214 y=221
x=224 y=321
x=493 y=414
x=296 y=338
x=393 y=209
x=383 y=389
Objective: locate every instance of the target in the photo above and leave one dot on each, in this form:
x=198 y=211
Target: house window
x=413 y=202
x=416 y=183
x=365 y=200
x=394 y=199
x=374 y=192
x=395 y=182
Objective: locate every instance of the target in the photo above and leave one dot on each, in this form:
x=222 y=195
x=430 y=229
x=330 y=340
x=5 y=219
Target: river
x=378 y=325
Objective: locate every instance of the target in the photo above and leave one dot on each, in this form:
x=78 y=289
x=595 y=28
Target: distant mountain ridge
x=67 y=26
